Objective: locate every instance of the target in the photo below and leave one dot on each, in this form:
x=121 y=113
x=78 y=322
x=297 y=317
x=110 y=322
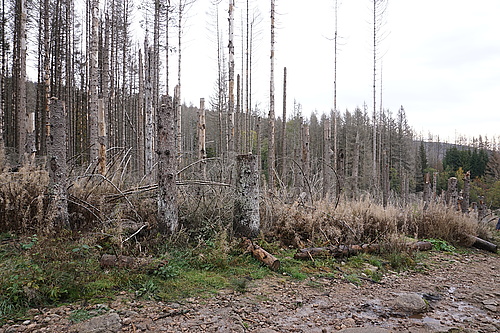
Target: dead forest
x=101 y=140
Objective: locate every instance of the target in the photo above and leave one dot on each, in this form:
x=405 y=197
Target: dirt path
x=462 y=293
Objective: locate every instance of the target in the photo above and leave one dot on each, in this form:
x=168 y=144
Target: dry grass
x=116 y=206
x=362 y=221
x=23 y=200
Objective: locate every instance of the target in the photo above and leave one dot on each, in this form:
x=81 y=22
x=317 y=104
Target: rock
x=410 y=303
x=108 y=323
x=492 y=308
x=264 y=330
x=364 y=330
x=490 y=302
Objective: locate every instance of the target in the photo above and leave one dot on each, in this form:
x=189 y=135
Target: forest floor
x=450 y=292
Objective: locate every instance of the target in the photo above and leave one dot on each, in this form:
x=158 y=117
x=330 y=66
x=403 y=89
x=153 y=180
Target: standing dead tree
x=246 y=207
x=167 y=168
x=272 y=125
x=56 y=164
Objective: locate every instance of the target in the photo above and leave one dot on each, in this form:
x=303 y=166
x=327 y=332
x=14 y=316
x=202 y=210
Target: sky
x=440 y=60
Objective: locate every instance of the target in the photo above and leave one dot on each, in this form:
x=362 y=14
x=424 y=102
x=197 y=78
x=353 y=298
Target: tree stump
x=56 y=164
x=246 y=221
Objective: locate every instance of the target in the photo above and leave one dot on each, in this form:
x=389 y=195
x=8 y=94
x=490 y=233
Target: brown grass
x=362 y=221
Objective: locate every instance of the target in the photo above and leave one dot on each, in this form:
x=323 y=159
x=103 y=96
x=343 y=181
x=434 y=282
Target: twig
x=135 y=233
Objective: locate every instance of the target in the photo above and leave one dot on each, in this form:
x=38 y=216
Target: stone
x=108 y=323
x=364 y=330
x=410 y=303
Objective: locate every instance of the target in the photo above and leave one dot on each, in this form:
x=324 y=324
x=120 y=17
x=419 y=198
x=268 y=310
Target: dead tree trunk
x=202 y=152
x=481 y=208
x=230 y=113
x=101 y=121
x=94 y=81
x=327 y=138
x=451 y=193
x=283 y=131
x=466 y=193
x=271 y=150
x=148 y=110
x=427 y=190
x=340 y=165
x=246 y=221
x=386 y=186
x=56 y=164
x=167 y=168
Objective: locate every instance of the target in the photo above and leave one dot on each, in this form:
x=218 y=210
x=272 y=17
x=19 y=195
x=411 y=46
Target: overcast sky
x=441 y=59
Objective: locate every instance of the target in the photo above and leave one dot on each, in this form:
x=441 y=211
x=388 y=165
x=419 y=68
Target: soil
x=461 y=292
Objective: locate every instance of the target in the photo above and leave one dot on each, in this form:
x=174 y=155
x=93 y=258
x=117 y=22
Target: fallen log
x=484 y=245
x=261 y=255
x=350 y=250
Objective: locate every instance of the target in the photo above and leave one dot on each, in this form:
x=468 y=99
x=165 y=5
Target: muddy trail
x=453 y=293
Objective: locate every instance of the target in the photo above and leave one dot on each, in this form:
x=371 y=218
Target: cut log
x=484 y=245
x=350 y=250
x=261 y=255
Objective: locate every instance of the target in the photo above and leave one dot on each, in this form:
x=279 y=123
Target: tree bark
x=484 y=245
x=272 y=129
x=427 y=190
x=230 y=113
x=167 y=168
x=202 y=152
x=261 y=255
x=102 y=138
x=283 y=131
x=350 y=250
x=94 y=82
x=327 y=140
x=466 y=193
x=451 y=193
x=246 y=221
x=56 y=164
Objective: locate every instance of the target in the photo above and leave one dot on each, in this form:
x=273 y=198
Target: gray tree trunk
x=148 y=111
x=451 y=193
x=202 y=151
x=230 y=113
x=167 y=168
x=272 y=129
x=140 y=116
x=246 y=206
x=94 y=82
x=466 y=193
x=102 y=137
x=56 y=164
x=283 y=131
x=327 y=140
x=427 y=190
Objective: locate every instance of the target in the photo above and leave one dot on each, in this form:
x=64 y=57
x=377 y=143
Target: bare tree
x=272 y=129
x=379 y=9
x=167 y=168
x=230 y=113
x=94 y=81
